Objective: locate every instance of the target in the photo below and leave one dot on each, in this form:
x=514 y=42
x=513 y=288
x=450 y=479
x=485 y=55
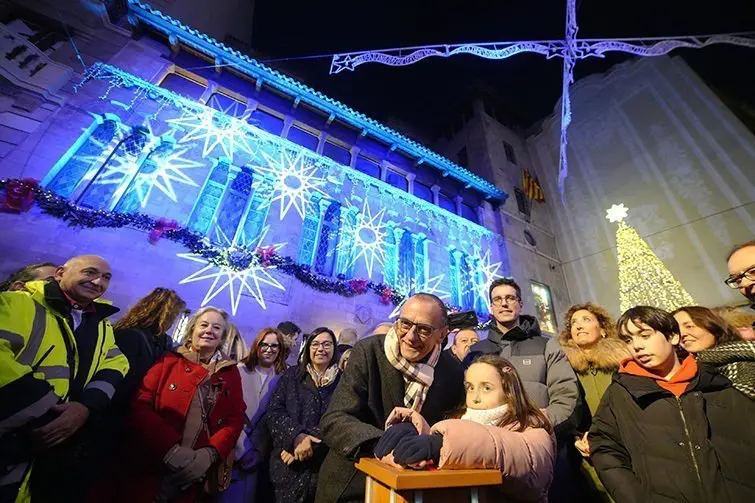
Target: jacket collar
x=49 y=293
x=706 y=380
x=528 y=327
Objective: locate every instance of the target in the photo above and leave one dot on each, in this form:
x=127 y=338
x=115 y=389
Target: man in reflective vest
x=59 y=364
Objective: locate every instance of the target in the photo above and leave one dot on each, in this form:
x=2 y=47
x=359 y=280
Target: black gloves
x=391 y=438
x=412 y=450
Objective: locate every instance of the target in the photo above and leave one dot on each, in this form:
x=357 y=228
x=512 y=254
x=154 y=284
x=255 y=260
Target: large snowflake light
x=250 y=280
x=167 y=168
x=483 y=276
x=215 y=129
x=295 y=180
x=368 y=238
x=409 y=288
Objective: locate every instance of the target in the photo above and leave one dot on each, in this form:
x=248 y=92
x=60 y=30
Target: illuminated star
x=483 y=276
x=294 y=181
x=617 y=213
x=216 y=128
x=409 y=288
x=250 y=280
x=368 y=236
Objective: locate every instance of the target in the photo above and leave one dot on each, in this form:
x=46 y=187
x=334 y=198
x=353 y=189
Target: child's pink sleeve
x=524 y=458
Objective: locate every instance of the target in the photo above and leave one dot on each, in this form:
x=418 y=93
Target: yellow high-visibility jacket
x=39 y=360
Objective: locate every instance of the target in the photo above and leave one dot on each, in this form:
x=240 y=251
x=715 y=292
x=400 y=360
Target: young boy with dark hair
x=671 y=430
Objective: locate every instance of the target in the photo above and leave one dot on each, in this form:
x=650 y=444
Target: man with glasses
x=547 y=376
x=741 y=264
x=403 y=368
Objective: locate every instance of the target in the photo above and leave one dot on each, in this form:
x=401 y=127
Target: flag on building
x=532 y=188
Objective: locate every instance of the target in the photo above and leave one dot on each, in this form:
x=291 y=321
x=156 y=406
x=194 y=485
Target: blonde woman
x=595 y=352
x=185 y=419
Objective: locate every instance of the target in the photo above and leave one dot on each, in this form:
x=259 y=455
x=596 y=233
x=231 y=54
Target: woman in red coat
x=185 y=419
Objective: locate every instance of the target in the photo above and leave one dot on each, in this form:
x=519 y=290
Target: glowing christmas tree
x=643 y=278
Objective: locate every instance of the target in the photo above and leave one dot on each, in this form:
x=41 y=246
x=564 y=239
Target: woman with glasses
x=260 y=372
x=293 y=418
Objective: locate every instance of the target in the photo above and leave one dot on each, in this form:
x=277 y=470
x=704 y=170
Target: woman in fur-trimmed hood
x=595 y=352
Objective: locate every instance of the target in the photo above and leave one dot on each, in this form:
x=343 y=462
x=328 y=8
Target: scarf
x=676 y=384
x=736 y=361
x=488 y=417
x=418 y=376
x=327 y=377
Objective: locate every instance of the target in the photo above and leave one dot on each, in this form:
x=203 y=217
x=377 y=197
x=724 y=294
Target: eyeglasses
x=424 y=331
x=325 y=345
x=509 y=299
x=736 y=280
x=272 y=347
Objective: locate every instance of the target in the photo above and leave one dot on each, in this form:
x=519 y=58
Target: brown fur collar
x=606 y=355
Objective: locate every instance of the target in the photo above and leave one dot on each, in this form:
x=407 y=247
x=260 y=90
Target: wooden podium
x=387 y=484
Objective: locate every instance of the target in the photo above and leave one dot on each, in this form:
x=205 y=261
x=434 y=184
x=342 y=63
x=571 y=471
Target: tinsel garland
x=234 y=258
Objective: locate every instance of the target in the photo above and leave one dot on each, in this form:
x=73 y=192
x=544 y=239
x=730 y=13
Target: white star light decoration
x=250 y=280
x=407 y=289
x=484 y=275
x=216 y=128
x=167 y=170
x=368 y=236
x=295 y=181
x=617 y=213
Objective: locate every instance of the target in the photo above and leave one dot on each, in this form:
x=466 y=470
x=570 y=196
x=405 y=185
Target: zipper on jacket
x=689 y=441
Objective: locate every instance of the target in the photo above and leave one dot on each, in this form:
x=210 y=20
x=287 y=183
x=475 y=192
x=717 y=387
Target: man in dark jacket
x=668 y=430
x=404 y=368
x=548 y=378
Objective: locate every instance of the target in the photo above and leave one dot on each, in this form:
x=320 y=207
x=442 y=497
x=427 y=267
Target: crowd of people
x=657 y=406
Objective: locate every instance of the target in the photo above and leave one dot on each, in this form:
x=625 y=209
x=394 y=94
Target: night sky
x=422 y=98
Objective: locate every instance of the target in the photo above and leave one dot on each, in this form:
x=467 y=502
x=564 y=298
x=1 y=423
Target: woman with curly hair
x=595 y=352
x=141 y=334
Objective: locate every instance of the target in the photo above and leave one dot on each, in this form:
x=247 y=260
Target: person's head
x=157 y=311
x=84 y=278
x=741 y=265
x=492 y=381
x=586 y=324
x=43 y=271
x=348 y=336
x=381 y=328
x=505 y=300
x=268 y=350
x=319 y=349
x=344 y=360
x=701 y=328
x=463 y=340
x=291 y=333
x=207 y=329
x=651 y=335
x=422 y=324
x=743 y=322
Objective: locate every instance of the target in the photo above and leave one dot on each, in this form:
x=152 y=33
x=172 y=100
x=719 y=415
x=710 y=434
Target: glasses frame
x=507 y=298
x=273 y=347
x=736 y=280
x=415 y=326
x=324 y=345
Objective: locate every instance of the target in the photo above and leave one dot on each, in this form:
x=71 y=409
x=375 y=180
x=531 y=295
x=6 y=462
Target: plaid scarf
x=325 y=378
x=418 y=376
x=736 y=361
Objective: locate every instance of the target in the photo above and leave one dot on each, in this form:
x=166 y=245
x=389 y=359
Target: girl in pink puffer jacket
x=499 y=428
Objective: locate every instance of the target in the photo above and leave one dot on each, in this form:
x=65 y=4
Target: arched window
x=84 y=157
x=116 y=173
x=466 y=283
x=203 y=213
x=325 y=258
x=406 y=258
x=234 y=206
